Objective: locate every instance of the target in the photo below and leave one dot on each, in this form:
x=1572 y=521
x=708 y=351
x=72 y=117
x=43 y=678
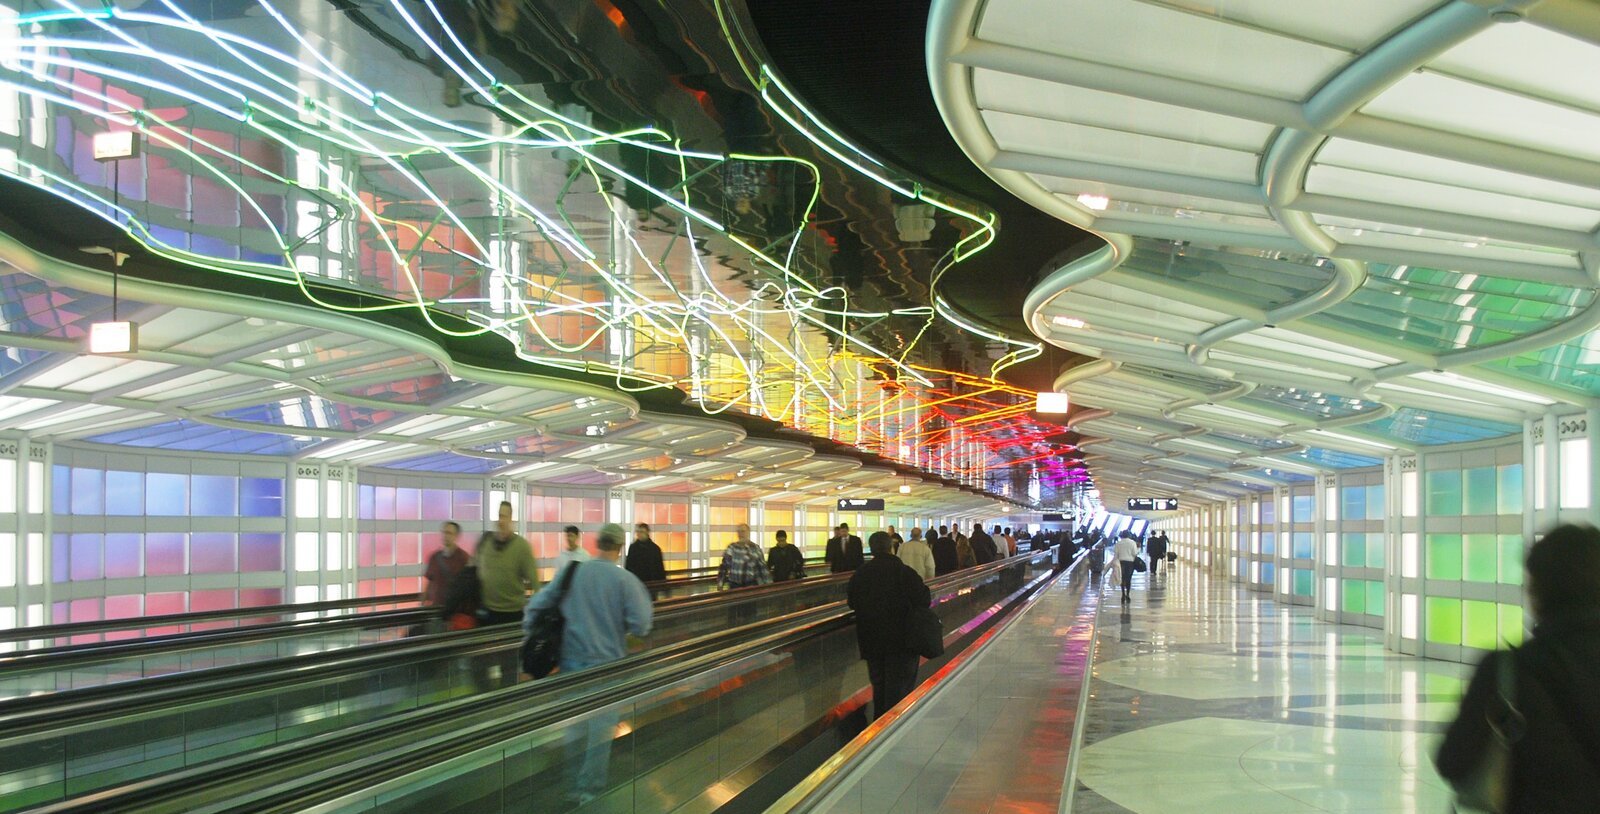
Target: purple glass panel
x=224 y=599
x=85 y=610
x=162 y=604
x=257 y=597
x=58 y=613
x=435 y=504
x=366 y=502
x=166 y=495
x=211 y=553
x=468 y=506
x=408 y=504
x=385 y=548
x=385 y=503
x=260 y=552
x=261 y=497
x=125 y=493
x=60 y=546
x=86 y=562
x=88 y=491
x=163 y=554
x=214 y=496
x=122 y=556
x=365 y=550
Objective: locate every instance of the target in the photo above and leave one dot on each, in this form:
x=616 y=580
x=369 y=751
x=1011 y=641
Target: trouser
x=587 y=744
x=1155 y=565
x=893 y=678
x=1126 y=567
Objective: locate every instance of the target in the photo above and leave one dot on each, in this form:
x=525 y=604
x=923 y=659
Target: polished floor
x=1206 y=697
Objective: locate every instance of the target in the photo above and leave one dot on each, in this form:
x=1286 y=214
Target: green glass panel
x=1444 y=493
x=1375 y=552
x=1511 y=624
x=1508 y=496
x=1269 y=544
x=1511 y=559
x=1444 y=556
x=1375 y=508
x=1304 y=580
x=1481 y=624
x=1302 y=509
x=1354 y=548
x=1480 y=491
x=1355 y=596
x=1303 y=545
x=1353 y=504
x=1444 y=620
x=1375 y=603
x=1482 y=558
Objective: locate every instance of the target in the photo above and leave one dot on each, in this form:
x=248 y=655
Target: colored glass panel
x=1480 y=488
x=1304 y=580
x=1375 y=598
x=1508 y=497
x=1443 y=489
x=122 y=552
x=212 y=553
x=260 y=552
x=1375 y=552
x=1481 y=558
x=1481 y=624
x=260 y=497
x=214 y=496
x=166 y=494
x=1511 y=553
x=1444 y=557
x=1511 y=622
x=1443 y=620
x=1353 y=503
x=1355 y=595
x=124 y=493
x=1353 y=550
x=1303 y=544
x=1301 y=506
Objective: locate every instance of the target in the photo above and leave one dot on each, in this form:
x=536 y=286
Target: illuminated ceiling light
x=115 y=145
x=1050 y=402
x=905 y=488
x=1068 y=322
x=1098 y=203
x=914 y=223
x=113 y=337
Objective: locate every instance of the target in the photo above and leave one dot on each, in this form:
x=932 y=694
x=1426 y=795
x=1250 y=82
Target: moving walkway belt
x=72 y=742
x=697 y=721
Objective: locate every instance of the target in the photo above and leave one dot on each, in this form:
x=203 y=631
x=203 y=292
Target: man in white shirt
x=1126 y=550
x=916 y=554
x=573 y=552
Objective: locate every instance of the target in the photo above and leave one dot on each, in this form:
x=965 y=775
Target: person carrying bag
x=541 y=650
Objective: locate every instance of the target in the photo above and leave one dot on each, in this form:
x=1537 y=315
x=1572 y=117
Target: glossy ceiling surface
x=623 y=192
x=1333 y=232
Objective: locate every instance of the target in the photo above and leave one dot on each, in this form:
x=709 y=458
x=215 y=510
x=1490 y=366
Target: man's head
x=997 y=528
x=449 y=532
x=1563 y=572
x=891 y=531
x=783 y=536
x=944 y=531
x=916 y=533
x=841 y=531
x=609 y=539
x=880 y=544
x=502 y=521
x=641 y=531
x=574 y=537
x=742 y=530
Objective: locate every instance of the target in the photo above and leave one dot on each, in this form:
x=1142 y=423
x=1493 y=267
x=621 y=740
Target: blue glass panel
x=60 y=549
x=1333 y=459
x=1302 y=507
x=1269 y=573
x=124 y=493
x=366 y=502
x=260 y=497
x=214 y=496
x=1309 y=402
x=1302 y=545
x=449 y=462
x=60 y=490
x=260 y=552
x=1432 y=427
x=1269 y=544
x=166 y=494
x=311 y=411
x=88 y=491
x=1353 y=506
x=194 y=436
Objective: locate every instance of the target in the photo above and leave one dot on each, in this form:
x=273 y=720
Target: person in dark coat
x=945 y=560
x=644 y=557
x=1552 y=720
x=843 y=552
x=983 y=547
x=1156 y=547
x=784 y=560
x=883 y=592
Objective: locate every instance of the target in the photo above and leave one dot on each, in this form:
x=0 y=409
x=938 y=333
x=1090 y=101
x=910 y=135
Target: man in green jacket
x=506 y=571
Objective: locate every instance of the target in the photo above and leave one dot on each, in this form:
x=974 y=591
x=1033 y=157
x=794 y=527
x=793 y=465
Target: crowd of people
x=498 y=584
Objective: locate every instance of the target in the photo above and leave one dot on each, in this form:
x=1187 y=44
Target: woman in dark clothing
x=1553 y=719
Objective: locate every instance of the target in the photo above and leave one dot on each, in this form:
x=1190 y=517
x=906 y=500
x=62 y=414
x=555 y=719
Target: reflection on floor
x=1207 y=697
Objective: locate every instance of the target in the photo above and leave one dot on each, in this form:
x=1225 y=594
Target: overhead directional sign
x=1152 y=504
x=860 y=504
x=1057 y=518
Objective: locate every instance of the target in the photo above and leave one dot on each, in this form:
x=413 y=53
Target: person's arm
x=636 y=609
x=658 y=564
x=799 y=563
x=545 y=598
x=763 y=573
x=527 y=569
x=1463 y=746
x=722 y=572
x=634 y=562
x=429 y=574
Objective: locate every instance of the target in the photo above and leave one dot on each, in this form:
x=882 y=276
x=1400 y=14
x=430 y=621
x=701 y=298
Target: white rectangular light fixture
x=1051 y=402
x=113 y=337
x=115 y=145
x=1098 y=203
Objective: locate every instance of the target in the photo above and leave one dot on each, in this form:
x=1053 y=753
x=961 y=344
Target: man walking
x=444 y=564
x=945 y=557
x=1127 y=551
x=644 y=556
x=603 y=605
x=917 y=556
x=742 y=566
x=983 y=548
x=883 y=593
x=1157 y=549
x=785 y=561
x=843 y=552
x=506 y=572
x=574 y=550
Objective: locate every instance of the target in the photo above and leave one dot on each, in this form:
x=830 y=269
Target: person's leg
x=1127 y=577
x=877 y=674
x=901 y=679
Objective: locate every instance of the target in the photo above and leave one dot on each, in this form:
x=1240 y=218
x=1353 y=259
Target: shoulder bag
x=1488 y=788
x=1139 y=566
x=925 y=633
x=541 y=650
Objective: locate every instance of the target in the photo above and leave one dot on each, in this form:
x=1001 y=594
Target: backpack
x=541 y=650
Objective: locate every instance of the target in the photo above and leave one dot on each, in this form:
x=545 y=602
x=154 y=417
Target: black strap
x=566 y=580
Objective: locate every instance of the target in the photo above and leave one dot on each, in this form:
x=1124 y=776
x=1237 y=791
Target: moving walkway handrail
x=286 y=777
x=84 y=706
x=838 y=769
x=67 y=629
